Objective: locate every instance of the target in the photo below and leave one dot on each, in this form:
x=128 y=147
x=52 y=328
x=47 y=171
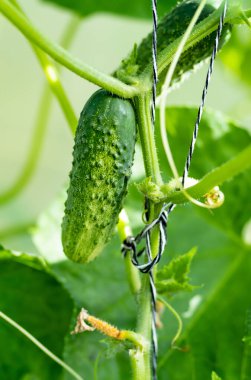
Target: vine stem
x=40 y=346
x=106 y=81
x=176 y=316
x=140 y=360
x=223 y=173
x=52 y=74
x=34 y=153
x=147 y=139
x=64 y=57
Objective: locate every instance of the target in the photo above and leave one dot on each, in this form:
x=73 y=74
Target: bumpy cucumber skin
x=102 y=159
x=171 y=27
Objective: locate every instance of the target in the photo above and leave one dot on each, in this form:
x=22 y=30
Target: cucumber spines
x=102 y=160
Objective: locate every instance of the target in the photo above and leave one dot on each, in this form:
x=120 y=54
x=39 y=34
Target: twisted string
x=148 y=244
x=130 y=243
x=153 y=293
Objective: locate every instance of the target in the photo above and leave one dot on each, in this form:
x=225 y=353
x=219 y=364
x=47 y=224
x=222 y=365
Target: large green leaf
x=31 y=296
x=101 y=288
x=213 y=333
x=213 y=340
x=136 y=8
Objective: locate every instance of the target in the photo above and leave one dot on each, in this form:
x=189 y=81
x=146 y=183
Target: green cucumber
x=171 y=27
x=102 y=159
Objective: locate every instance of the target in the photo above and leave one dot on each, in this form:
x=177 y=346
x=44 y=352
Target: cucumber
x=102 y=159
x=171 y=27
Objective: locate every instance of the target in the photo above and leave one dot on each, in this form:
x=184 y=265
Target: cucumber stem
x=141 y=360
x=147 y=139
x=52 y=73
x=217 y=176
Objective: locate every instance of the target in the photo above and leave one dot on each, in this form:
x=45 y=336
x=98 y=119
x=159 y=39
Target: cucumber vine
x=139 y=91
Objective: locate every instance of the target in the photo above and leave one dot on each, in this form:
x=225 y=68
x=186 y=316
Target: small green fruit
x=170 y=28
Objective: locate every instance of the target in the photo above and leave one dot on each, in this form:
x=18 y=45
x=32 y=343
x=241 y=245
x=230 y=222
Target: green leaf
x=102 y=289
x=137 y=8
x=30 y=260
x=33 y=298
x=214 y=260
x=173 y=277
